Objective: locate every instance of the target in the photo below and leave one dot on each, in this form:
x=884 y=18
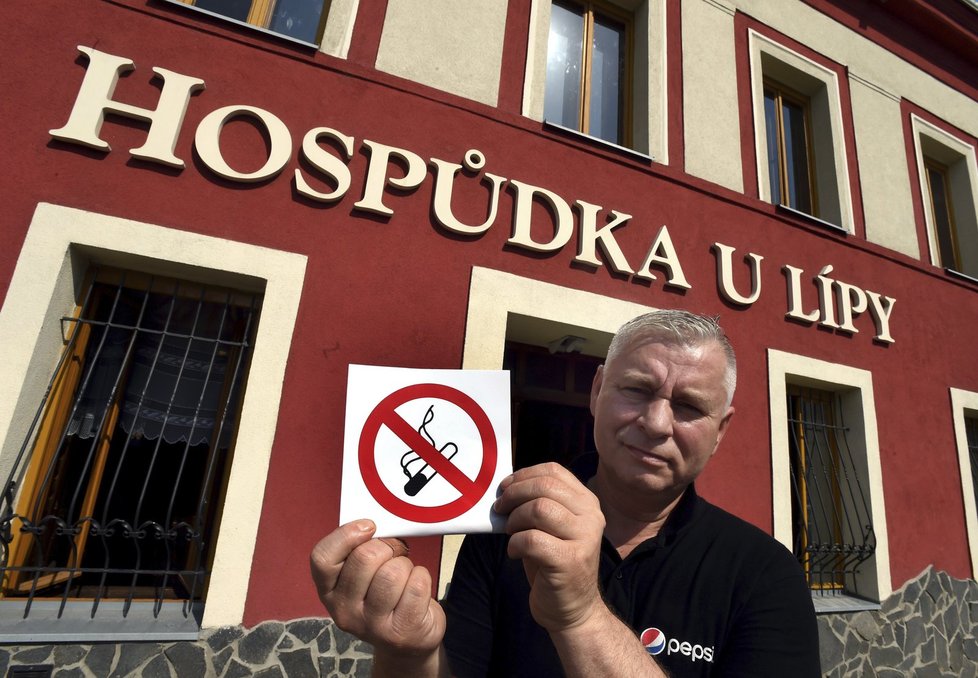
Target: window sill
x=811 y=219
x=962 y=276
x=597 y=141
x=243 y=24
x=841 y=602
x=77 y=624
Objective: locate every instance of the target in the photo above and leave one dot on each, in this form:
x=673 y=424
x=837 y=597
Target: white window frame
x=493 y=297
x=855 y=388
x=60 y=245
x=648 y=69
x=828 y=139
x=962 y=174
x=965 y=404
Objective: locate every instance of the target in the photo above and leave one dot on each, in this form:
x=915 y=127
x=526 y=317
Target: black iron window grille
x=971 y=435
x=832 y=525
x=116 y=492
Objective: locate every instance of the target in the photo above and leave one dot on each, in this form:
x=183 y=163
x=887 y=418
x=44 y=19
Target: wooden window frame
x=590 y=8
x=782 y=94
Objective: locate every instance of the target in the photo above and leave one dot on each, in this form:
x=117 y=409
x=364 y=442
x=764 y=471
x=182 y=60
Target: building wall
x=380 y=275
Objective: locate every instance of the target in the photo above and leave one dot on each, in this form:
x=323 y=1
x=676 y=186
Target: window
x=551 y=390
x=62 y=246
x=588 y=56
x=831 y=523
x=787 y=122
x=799 y=140
x=117 y=489
x=949 y=189
x=964 y=405
x=300 y=19
x=939 y=207
x=827 y=488
x=971 y=436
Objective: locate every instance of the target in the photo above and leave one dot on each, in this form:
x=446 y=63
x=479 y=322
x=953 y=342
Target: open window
x=117 y=490
x=799 y=139
x=948 y=176
x=827 y=482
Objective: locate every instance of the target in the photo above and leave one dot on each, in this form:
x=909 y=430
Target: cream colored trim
x=759 y=45
x=60 y=243
x=339 y=28
x=859 y=403
x=965 y=152
x=493 y=295
x=966 y=403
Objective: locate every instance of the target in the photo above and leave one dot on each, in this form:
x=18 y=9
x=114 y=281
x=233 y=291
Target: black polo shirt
x=710 y=595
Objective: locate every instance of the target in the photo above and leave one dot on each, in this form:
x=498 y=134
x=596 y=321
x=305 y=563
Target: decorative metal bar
x=123 y=501
x=833 y=521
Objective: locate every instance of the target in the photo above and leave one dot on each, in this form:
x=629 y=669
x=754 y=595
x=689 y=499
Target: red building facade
x=378 y=203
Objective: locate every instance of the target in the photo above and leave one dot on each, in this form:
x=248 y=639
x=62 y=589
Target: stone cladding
x=927 y=629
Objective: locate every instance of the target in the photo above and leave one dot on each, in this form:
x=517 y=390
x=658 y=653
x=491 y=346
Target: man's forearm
x=388 y=664
x=604 y=646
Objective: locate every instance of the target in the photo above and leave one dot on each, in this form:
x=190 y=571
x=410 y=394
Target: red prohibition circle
x=384 y=415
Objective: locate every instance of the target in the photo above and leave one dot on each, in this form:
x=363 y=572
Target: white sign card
x=424 y=451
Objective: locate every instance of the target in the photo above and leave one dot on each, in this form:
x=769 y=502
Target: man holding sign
x=616 y=568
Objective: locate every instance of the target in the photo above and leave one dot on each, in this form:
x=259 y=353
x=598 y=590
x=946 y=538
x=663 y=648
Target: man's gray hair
x=680 y=327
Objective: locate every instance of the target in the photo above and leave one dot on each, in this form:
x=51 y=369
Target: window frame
x=855 y=389
x=591 y=10
x=51 y=440
x=964 y=406
x=60 y=245
x=647 y=77
x=783 y=93
x=935 y=146
x=843 y=507
x=820 y=84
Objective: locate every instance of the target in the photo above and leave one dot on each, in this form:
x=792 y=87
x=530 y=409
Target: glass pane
x=607 y=75
x=565 y=48
x=233 y=9
x=796 y=157
x=297 y=18
x=773 y=147
x=942 y=217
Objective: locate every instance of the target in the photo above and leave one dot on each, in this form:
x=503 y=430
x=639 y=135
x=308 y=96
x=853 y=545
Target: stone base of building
x=927 y=628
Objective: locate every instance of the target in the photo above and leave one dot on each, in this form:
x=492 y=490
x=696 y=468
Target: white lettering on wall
x=725 y=275
x=95 y=100
x=207 y=141
x=542 y=220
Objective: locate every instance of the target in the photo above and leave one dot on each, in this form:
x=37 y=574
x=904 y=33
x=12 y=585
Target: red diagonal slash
x=424 y=449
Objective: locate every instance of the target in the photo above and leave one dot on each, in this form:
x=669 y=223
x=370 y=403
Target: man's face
x=659 y=411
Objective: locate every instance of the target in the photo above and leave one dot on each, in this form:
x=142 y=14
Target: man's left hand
x=555 y=524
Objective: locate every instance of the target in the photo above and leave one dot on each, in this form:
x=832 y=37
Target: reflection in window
x=789 y=157
x=300 y=19
x=587 y=57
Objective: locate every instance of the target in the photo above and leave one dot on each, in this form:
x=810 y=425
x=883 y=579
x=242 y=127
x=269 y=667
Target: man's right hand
x=373 y=590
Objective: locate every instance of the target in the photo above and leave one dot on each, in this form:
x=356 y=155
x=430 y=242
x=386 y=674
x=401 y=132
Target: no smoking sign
x=425 y=450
